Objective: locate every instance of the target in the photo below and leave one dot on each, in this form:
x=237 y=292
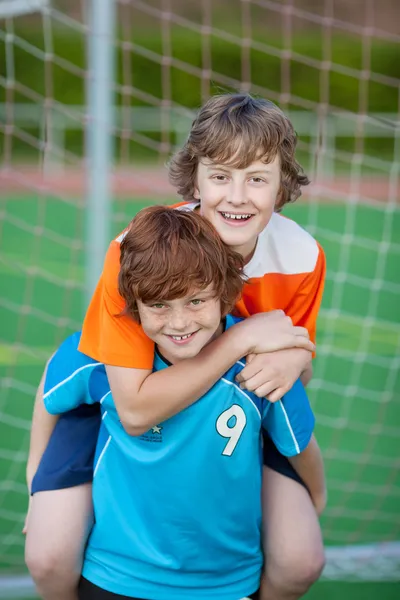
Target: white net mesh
x=332 y=67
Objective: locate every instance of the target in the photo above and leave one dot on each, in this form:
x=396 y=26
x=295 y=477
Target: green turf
x=42 y=278
x=343 y=591
x=327 y=590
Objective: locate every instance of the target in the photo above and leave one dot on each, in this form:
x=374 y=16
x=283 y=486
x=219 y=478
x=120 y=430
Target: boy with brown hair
x=179 y=281
x=237 y=168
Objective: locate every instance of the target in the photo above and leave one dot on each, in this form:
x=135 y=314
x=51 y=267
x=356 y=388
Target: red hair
x=166 y=253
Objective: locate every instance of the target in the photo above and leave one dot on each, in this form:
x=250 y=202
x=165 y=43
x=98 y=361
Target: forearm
x=310 y=467
x=167 y=392
x=306 y=375
x=42 y=427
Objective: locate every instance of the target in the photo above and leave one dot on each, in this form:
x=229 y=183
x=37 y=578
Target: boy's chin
x=184 y=353
x=176 y=357
x=236 y=241
x=187 y=353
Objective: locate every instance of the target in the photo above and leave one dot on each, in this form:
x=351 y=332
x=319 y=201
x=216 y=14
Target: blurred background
x=94 y=97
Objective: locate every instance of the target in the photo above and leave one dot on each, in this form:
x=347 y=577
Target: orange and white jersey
x=287 y=271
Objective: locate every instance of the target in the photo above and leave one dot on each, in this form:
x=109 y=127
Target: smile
x=182 y=339
x=228 y=216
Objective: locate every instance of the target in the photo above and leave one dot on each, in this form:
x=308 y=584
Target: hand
x=273 y=374
x=273 y=331
x=320 y=503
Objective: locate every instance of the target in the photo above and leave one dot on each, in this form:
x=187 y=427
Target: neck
x=246 y=251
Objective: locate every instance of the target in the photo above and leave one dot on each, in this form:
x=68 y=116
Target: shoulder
x=295 y=404
x=68 y=378
x=67 y=355
x=67 y=362
x=229 y=386
x=296 y=390
x=285 y=248
x=71 y=343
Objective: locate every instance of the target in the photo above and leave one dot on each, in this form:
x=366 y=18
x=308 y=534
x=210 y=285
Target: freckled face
x=182 y=327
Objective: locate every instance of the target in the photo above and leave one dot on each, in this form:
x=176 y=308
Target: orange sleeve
x=106 y=336
x=305 y=304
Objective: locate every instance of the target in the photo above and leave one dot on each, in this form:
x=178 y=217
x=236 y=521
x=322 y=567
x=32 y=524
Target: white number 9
x=232 y=432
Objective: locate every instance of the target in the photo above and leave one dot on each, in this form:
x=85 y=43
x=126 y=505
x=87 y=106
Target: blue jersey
x=178 y=509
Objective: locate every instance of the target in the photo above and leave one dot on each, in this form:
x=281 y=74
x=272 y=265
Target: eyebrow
x=262 y=171
x=227 y=170
x=201 y=292
x=212 y=167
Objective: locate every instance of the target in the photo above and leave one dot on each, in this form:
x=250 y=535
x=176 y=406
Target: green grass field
x=355 y=390
x=343 y=591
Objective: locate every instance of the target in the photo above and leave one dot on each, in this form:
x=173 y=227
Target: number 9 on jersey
x=234 y=431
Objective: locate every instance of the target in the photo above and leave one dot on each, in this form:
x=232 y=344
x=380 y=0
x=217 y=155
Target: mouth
x=236 y=219
x=180 y=340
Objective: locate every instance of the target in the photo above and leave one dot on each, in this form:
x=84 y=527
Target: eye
x=219 y=177
x=196 y=302
x=157 y=305
x=258 y=180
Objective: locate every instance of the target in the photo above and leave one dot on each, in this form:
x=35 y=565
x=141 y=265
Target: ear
x=196 y=194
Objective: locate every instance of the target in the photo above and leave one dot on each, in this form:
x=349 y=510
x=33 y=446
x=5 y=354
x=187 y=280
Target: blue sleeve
x=290 y=421
x=68 y=378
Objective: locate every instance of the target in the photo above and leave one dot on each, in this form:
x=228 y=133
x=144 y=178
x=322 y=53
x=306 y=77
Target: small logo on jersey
x=154 y=434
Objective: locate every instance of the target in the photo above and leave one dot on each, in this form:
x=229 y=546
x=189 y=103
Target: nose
x=236 y=193
x=178 y=321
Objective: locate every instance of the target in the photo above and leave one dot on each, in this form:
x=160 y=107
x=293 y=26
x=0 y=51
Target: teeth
x=235 y=217
x=181 y=337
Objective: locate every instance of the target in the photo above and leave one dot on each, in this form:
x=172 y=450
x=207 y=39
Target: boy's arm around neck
x=144 y=399
x=306 y=375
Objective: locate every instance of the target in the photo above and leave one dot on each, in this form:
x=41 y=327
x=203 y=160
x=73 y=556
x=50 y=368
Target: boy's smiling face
x=238 y=202
x=182 y=327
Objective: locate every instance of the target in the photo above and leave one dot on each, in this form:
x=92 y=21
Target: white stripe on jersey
x=188 y=207
x=242 y=392
x=105 y=396
x=68 y=379
x=121 y=236
x=296 y=445
x=101 y=455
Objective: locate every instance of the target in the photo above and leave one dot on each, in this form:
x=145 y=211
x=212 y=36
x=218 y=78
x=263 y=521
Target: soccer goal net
x=333 y=67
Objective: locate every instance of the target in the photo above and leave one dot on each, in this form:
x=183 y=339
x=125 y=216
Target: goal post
x=100 y=132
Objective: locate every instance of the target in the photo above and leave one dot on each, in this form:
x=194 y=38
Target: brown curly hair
x=166 y=253
x=236 y=130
